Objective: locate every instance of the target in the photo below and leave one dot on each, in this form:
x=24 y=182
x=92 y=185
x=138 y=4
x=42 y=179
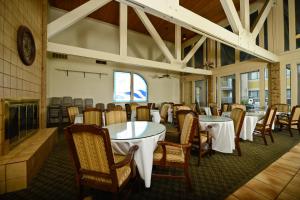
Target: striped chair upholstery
x=241 y=106
x=282 y=107
x=170 y=154
x=292 y=120
x=266 y=127
x=110 y=106
x=115 y=116
x=92 y=116
x=118 y=107
x=95 y=162
x=133 y=106
x=143 y=113
x=237 y=115
x=164 y=113
x=73 y=111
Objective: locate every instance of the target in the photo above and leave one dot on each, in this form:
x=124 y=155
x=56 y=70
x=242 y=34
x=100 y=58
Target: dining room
x=149 y=99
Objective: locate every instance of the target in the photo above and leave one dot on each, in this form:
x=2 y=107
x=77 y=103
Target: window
x=228 y=89
x=201 y=92
x=266 y=87
x=227 y=53
x=288 y=84
x=297 y=20
x=249 y=86
x=298 y=66
x=199 y=58
x=266 y=34
x=186 y=50
x=286 y=25
x=129 y=87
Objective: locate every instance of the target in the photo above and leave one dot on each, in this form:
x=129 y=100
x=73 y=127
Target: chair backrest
x=225 y=107
x=100 y=106
x=72 y=112
x=269 y=117
x=92 y=116
x=237 y=115
x=214 y=110
x=151 y=105
x=88 y=103
x=56 y=101
x=188 y=129
x=175 y=108
x=295 y=114
x=78 y=102
x=67 y=101
x=212 y=104
x=282 y=107
x=235 y=105
x=133 y=106
x=164 y=111
x=118 y=107
x=180 y=115
x=184 y=108
x=110 y=106
x=143 y=113
x=115 y=116
x=193 y=107
x=91 y=151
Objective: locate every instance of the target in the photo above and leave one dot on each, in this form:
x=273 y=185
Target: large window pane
x=297 y=21
x=201 y=92
x=288 y=84
x=199 y=58
x=227 y=53
x=266 y=87
x=186 y=50
x=286 y=25
x=266 y=34
x=298 y=84
x=122 y=84
x=250 y=89
x=228 y=89
x=139 y=89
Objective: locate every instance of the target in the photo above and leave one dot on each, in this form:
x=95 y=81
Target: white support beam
x=245 y=14
x=88 y=53
x=232 y=15
x=178 y=43
x=74 y=16
x=194 y=49
x=123 y=29
x=262 y=17
x=171 y=11
x=151 y=29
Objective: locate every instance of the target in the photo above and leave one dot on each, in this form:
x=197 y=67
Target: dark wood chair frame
x=143 y=107
x=267 y=131
x=222 y=107
x=185 y=166
x=238 y=132
x=290 y=121
x=93 y=109
x=103 y=132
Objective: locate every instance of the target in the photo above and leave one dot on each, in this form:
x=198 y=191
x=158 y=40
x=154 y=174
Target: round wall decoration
x=26 y=45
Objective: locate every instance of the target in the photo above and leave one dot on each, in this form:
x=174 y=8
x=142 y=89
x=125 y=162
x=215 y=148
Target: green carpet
x=216 y=178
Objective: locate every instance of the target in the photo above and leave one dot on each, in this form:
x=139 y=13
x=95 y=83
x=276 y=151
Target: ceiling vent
x=102 y=62
x=59 y=56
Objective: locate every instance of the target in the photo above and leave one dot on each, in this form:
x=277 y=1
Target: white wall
x=92 y=34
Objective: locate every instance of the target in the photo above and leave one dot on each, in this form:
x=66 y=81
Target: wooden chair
x=291 y=120
x=282 y=107
x=176 y=155
x=235 y=105
x=115 y=116
x=193 y=107
x=238 y=116
x=151 y=105
x=92 y=116
x=73 y=111
x=175 y=108
x=143 y=113
x=96 y=165
x=214 y=111
x=128 y=111
x=266 y=127
x=133 y=106
x=164 y=113
x=202 y=140
x=100 y=106
x=118 y=107
x=225 y=107
x=110 y=106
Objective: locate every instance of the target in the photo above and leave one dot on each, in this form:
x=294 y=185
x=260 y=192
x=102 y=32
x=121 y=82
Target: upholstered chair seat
x=173 y=154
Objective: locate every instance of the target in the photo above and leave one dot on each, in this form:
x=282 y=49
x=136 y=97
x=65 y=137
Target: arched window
x=129 y=87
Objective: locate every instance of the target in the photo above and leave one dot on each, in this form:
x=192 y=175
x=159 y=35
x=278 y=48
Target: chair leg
x=264 y=137
x=271 y=135
x=187 y=177
x=237 y=145
x=290 y=130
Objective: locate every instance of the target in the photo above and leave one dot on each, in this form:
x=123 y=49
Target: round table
x=222 y=131
x=141 y=133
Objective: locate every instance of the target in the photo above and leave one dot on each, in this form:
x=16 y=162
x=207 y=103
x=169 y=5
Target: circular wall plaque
x=26 y=45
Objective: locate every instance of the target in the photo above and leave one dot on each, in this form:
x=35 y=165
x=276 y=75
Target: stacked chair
x=78 y=102
x=54 y=110
x=100 y=106
x=88 y=103
x=66 y=102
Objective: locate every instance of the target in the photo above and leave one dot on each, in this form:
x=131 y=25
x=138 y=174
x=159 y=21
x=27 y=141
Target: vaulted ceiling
x=209 y=9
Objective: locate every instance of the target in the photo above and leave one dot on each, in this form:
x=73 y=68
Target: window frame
x=131 y=87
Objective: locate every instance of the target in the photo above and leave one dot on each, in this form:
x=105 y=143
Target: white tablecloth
x=155 y=115
x=170 y=115
x=222 y=135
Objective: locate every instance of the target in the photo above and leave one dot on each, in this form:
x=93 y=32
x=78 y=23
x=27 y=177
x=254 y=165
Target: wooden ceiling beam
x=245 y=14
x=128 y=60
x=178 y=43
x=74 y=16
x=123 y=29
x=232 y=15
x=173 y=12
x=194 y=49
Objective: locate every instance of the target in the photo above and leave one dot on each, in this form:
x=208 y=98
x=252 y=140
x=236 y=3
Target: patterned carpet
x=216 y=178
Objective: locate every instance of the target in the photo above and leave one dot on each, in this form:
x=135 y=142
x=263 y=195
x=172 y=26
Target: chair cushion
x=174 y=154
x=122 y=173
x=282 y=121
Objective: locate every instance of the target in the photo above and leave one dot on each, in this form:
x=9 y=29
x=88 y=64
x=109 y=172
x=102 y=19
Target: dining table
x=142 y=133
x=250 y=120
x=222 y=131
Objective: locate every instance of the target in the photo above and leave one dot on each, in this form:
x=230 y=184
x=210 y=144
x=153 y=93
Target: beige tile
x=1 y=63
x=286 y=196
x=6 y=81
x=270 y=179
x=285 y=168
x=6 y=67
x=292 y=156
x=13 y=82
x=278 y=172
x=6 y=92
x=15 y=170
x=246 y=193
x=16 y=184
x=6 y=52
x=269 y=191
x=289 y=163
